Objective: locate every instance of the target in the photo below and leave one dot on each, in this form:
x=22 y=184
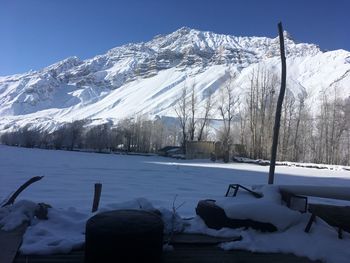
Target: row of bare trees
x=131 y=135
x=332 y=130
x=322 y=136
x=246 y=118
x=195 y=118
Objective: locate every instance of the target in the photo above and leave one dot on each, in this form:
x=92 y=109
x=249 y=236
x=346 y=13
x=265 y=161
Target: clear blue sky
x=37 y=33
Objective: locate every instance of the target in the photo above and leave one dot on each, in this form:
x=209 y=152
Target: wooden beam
x=10 y=241
x=21 y=188
x=97 y=195
x=276 y=127
x=332 y=192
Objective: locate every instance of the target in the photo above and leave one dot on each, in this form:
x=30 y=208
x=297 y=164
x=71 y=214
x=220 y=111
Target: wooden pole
x=276 y=127
x=97 y=195
x=12 y=199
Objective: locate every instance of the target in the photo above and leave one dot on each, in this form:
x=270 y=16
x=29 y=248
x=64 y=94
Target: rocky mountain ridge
x=147 y=78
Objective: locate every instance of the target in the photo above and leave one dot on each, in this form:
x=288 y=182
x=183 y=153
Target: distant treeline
x=306 y=134
x=131 y=135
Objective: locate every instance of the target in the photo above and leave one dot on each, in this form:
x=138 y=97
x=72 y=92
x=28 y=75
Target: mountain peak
x=100 y=87
x=287 y=35
x=184 y=30
x=65 y=64
x=186 y=40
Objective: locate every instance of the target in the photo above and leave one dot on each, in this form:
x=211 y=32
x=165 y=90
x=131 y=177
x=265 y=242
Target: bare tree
x=193 y=111
x=347 y=140
x=227 y=108
x=204 y=120
x=98 y=137
x=181 y=110
x=331 y=128
x=260 y=103
x=74 y=134
x=296 y=140
x=288 y=116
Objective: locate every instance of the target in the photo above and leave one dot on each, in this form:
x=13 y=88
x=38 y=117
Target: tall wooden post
x=97 y=195
x=276 y=127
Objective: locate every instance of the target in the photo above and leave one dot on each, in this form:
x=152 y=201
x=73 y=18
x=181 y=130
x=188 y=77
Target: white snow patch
x=63 y=231
x=268 y=209
x=12 y=216
x=321 y=243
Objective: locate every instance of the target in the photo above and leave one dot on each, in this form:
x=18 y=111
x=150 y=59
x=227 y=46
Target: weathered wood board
x=10 y=242
x=334 y=192
x=188 y=248
x=184 y=254
x=200 y=239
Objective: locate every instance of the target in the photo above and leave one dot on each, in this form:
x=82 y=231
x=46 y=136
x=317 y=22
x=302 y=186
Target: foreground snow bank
x=69 y=179
x=14 y=215
x=65 y=228
x=62 y=232
x=321 y=243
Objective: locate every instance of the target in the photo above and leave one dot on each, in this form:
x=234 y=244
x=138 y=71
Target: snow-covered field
x=70 y=176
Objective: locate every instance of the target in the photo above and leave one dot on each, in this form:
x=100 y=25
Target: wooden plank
x=334 y=192
x=184 y=254
x=10 y=242
x=213 y=254
x=73 y=257
x=338 y=216
x=199 y=239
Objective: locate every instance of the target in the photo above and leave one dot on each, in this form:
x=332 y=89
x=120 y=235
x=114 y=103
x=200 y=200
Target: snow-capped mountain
x=147 y=78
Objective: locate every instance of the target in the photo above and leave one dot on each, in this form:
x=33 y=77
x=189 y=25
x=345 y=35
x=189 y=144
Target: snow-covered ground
x=156 y=181
x=70 y=177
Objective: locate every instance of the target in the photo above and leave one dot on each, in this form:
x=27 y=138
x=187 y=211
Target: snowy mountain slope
x=147 y=78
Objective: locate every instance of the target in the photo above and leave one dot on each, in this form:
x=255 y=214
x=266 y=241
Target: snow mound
x=267 y=209
x=12 y=216
x=64 y=230
x=172 y=221
x=321 y=243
